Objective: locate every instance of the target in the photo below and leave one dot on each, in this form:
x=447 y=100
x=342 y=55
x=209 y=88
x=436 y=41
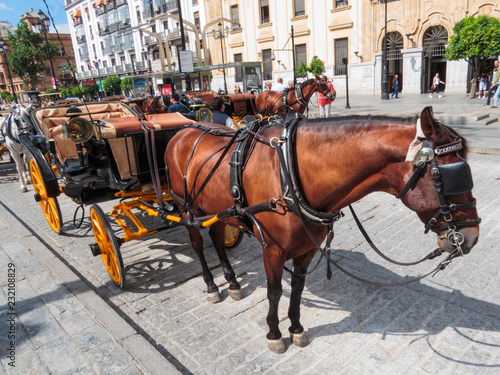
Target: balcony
x=84 y=55
x=79 y=75
x=100 y=10
x=81 y=39
x=123 y=24
x=141 y=65
x=120 y=2
x=109 y=6
x=171 y=6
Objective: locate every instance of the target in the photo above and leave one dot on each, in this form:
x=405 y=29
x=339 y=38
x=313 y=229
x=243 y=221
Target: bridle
x=449 y=179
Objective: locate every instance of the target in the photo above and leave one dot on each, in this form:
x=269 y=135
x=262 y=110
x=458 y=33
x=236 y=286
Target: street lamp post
x=96 y=63
x=220 y=36
x=385 y=78
x=3 y=50
x=44 y=24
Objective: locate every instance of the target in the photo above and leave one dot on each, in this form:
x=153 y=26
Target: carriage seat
x=242 y=103
x=49 y=122
x=115 y=129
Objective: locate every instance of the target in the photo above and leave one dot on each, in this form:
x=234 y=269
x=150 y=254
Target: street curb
x=143 y=352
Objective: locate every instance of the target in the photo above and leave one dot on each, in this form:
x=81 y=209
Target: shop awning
x=77 y=13
x=98 y=3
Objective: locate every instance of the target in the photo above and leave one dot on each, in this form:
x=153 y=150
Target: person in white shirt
x=279 y=86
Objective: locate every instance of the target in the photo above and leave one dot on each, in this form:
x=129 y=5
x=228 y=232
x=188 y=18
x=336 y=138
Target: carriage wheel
x=108 y=245
x=50 y=206
x=233 y=237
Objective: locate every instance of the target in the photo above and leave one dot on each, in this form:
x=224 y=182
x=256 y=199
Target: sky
x=11 y=10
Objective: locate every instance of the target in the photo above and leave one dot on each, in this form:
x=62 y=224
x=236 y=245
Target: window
x=138 y=11
x=238 y=57
x=300 y=54
x=165 y=25
x=235 y=15
x=268 y=64
x=340 y=46
x=264 y=11
x=342 y=3
x=299 y=7
x=196 y=16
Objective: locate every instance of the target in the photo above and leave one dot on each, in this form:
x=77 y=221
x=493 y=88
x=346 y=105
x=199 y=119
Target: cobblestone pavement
x=448 y=324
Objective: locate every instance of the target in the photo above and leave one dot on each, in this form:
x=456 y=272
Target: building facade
x=352 y=31
x=5 y=83
x=127 y=37
x=133 y=37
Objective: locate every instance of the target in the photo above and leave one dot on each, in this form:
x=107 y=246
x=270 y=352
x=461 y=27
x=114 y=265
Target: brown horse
x=158 y=104
x=337 y=162
x=271 y=102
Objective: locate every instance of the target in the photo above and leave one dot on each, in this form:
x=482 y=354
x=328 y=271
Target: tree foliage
x=29 y=53
x=6 y=96
x=112 y=85
x=474 y=40
x=126 y=84
x=315 y=67
x=65 y=92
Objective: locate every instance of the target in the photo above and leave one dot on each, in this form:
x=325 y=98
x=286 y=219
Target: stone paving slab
x=449 y=324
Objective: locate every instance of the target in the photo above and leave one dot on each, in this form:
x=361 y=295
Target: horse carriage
x=96 y=152
x=284 y=180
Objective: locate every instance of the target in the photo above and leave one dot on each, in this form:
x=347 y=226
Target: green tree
x=50 y=91
x=76 y=91
x=316 y=67
x=65 y=92
x=112 y=85
x=126 y=84
x=6 y=96
x=28 y=53
x=474 y=40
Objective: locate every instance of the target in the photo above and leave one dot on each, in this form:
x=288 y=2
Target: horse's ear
x=430 y=126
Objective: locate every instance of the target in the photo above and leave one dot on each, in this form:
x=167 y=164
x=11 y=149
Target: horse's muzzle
x=465 y=237
x=331 y=96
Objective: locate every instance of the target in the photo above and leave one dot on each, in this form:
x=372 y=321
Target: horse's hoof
x=24 y=189
x=277 y=346
x=214 y=297
x=236 y=294
x=299 y=339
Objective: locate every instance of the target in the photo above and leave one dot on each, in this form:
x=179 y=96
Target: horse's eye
x=426 y=154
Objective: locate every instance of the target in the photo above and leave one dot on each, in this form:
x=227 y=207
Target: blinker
x=456 y=178
x=426 y=154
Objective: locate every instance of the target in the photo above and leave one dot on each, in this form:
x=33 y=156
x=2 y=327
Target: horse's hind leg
x=217 y=231
x=197 y=243
x=27 y=158
x=296 y=330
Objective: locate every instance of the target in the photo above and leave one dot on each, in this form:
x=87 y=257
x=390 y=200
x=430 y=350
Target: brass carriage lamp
x=78 y=129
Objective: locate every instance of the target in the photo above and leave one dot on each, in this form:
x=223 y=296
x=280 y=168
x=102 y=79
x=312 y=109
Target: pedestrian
x=219 y=117
x=279 y=87
x=237 y=89
x=396 y=86
x=177 y=106
x=497 y=96
x=324 y=103
x=291 y=85
x=268 y=86
x=494 y=83
x=435 y=85
x=483 y=79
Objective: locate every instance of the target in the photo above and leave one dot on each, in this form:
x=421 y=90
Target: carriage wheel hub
x=96 y=250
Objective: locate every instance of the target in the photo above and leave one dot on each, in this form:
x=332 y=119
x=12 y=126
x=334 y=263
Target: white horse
x=11 y=126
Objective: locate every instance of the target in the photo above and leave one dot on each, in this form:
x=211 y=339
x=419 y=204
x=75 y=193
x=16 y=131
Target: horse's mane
x=362 y=120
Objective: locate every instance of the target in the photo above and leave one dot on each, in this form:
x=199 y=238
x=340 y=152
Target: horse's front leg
x=27 y=159
x=20 y=170
x=274 y=262
x=217 y=233
x=300 y=265
x=197 y=243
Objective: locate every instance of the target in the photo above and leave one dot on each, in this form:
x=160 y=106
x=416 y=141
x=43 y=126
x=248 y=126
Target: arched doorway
x=435 y=40
x=394 y=59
